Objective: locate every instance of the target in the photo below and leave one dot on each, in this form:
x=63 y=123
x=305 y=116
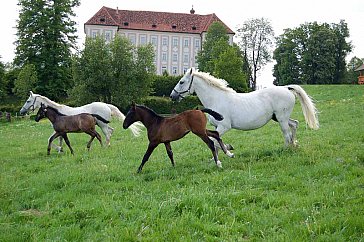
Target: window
x=175 y=41
x=165 y=41
x=154 y=40
x=94 y=33
x=108 y=36
x=142 y=40
x=164 y=69
x=186 y=42
x=186 y=58
x=164 y=56
x=197 y=43
x=175 y=57
x=185 y=70
x=174 y=70
x=132 y=39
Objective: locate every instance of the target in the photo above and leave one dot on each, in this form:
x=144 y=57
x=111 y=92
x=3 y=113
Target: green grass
x=313 y=192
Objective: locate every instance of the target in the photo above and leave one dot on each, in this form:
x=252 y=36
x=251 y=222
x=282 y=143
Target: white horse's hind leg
x=107 y=130
x=286 y=133
x=293 y=124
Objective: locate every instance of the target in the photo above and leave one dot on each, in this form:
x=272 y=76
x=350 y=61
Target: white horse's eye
x=181 y=82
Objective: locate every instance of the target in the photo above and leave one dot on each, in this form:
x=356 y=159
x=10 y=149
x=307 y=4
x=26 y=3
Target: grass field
x=311 y=193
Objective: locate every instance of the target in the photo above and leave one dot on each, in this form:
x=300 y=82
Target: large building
x=176 y=37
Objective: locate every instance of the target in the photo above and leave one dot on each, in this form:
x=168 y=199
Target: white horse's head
x=32 y=103
x=184 y=86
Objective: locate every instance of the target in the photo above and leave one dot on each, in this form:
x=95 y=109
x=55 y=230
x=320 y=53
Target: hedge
x=164 y=105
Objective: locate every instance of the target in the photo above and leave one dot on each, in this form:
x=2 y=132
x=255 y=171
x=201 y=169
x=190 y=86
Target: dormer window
x=194 y=28
x=174 y=26
x=126 y=24
x=154 y=26
x=102 y=19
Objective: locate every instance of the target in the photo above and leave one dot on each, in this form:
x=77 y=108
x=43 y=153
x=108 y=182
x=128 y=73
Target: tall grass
x=267 y=192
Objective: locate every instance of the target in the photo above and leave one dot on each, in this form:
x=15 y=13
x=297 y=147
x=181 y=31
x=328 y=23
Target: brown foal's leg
x=169 y=151
x=147 y=154
x=211 y=145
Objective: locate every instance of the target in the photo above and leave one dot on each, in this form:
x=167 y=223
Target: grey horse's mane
x=213 y=81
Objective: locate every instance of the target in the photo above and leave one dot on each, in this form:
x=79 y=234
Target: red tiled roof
x=155 y=21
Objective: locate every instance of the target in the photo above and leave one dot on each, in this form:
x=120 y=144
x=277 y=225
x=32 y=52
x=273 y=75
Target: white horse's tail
x=135 y=127
x=308 y=107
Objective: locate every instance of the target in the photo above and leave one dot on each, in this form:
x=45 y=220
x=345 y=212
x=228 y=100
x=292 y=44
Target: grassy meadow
x=266 y=193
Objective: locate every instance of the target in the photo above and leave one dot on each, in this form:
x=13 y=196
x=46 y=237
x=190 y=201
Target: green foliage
x=164 y=105
x=352 y=75
x=228 y=66
x=163 y=85
x=221 y=59
x=255 y=38
x=26 y=81
x=266 y=193
x=312 y=53
x=2 y=80
x=210 y=51
x=115 y=72
x=45 y=37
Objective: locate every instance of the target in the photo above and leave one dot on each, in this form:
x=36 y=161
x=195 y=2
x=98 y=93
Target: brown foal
x=165 y=130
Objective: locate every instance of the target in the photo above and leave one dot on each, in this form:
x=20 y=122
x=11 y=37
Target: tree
x=351 y=76
x=26 y=80
x=115 y=72
x=206 y=57
x=229 y=66
x=312 y=54
x=221 y=59
x=256 y=40
x=45 y=38
x=2 y=80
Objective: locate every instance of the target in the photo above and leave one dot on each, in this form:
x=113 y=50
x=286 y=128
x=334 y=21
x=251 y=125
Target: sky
x=281 y=13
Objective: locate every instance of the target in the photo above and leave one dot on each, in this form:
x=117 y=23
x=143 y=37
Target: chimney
x=192 y=11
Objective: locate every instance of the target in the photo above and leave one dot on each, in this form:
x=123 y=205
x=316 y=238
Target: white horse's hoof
x=218 y=163
x=231 y=155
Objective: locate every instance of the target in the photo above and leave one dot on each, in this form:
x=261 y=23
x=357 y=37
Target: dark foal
x=63 y=124
x=165 y=130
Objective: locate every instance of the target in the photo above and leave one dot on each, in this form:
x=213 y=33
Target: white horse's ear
x=31 y=93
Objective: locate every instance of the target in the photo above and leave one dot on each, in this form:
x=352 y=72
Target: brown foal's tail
x=214 y=114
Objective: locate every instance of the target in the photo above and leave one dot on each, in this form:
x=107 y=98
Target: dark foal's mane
x=56 y=110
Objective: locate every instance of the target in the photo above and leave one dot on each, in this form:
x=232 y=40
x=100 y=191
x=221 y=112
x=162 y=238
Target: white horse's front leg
x=56 y=147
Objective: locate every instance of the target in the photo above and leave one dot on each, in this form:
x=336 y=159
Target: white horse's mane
x=49 y=101
x=213 y=81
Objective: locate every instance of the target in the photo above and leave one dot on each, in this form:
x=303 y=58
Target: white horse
x=247 y=111
x=102 y=109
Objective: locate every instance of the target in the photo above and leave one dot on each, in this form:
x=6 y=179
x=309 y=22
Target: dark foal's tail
x=100 y=118
x=214 y=114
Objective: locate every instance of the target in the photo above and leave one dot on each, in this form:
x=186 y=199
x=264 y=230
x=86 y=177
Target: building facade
x=176 y=37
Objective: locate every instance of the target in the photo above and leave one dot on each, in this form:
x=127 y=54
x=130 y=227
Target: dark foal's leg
x=169 y=151
x=98 y=136
x=211 y=145
x=65 y=137
x=55 y=135
x=147 y=154
x=214 y=134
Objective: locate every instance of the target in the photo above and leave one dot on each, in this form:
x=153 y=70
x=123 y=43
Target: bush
x=163 y=105
x=163 y=85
